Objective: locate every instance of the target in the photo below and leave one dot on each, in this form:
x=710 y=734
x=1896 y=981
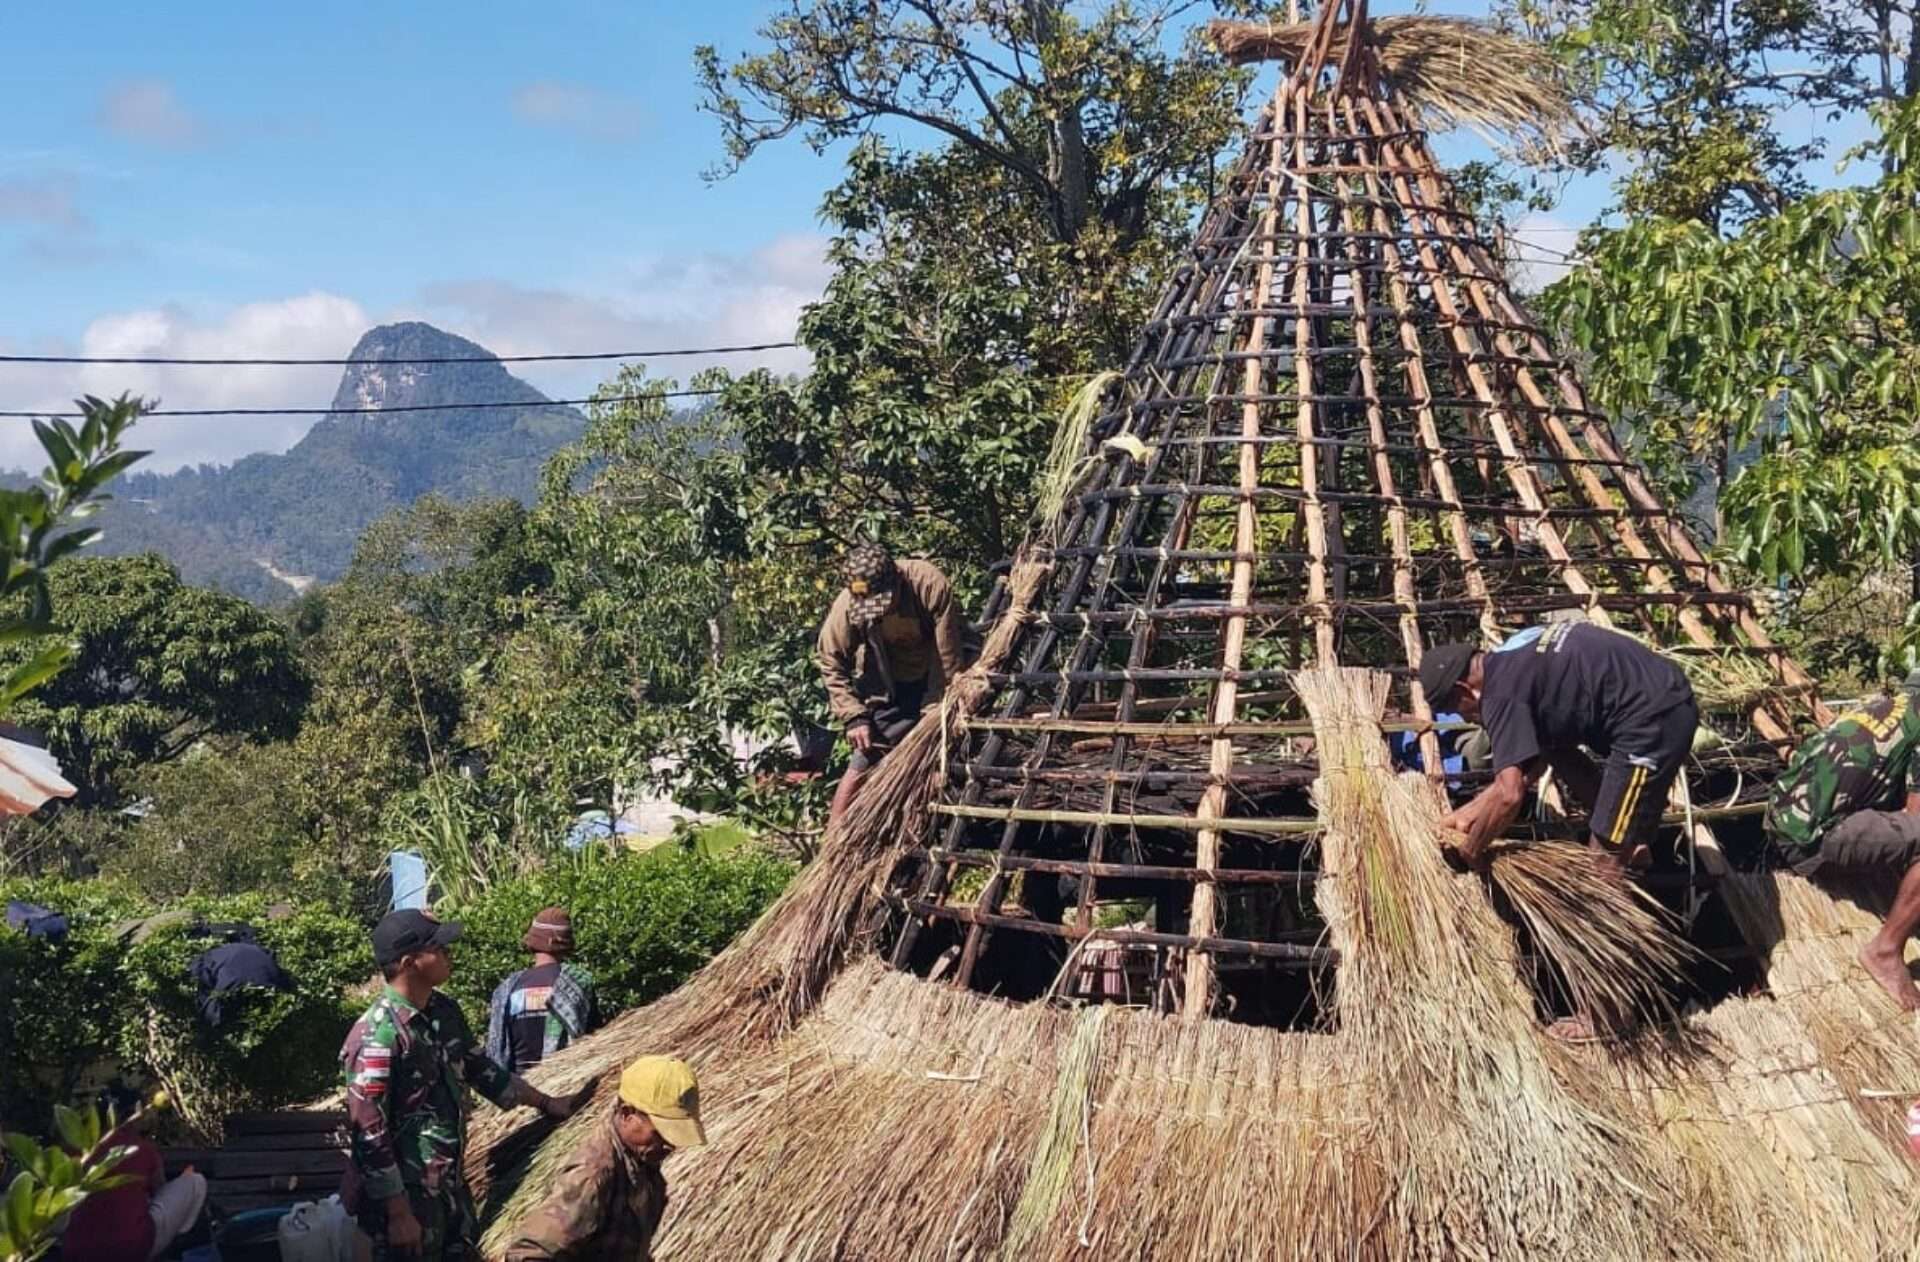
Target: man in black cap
x=408 y=1061
x=1543 y=695
x=890 y=645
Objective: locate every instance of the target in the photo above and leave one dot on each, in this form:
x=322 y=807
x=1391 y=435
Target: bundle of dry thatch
x=1451 y=71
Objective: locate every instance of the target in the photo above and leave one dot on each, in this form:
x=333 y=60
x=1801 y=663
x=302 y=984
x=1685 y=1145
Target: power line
x=236 y=362
x=414 y=407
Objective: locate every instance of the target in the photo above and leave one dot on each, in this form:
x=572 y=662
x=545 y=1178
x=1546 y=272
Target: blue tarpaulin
x=409 y=880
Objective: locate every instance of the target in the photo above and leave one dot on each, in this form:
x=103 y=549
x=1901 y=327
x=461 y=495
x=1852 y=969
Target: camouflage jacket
x=407 y=1072
x=1862 y=762
x=606 y=1203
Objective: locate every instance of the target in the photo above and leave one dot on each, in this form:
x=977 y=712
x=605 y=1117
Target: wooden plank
x=252 y=1164
x=305 y=1186
x=295 y=1141
x=285 y=1121
x=177 y=1159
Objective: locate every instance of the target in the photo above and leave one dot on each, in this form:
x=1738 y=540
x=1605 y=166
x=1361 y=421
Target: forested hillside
x=299 y=513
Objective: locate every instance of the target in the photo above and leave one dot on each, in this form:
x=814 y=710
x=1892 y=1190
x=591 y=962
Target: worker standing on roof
x=890 y=645
x=409 y=1061
x=1543 y=695
x=1848 y=805
x=607 y=1201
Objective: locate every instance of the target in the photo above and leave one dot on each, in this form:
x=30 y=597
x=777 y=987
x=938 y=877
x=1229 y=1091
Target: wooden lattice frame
x=1339 y=363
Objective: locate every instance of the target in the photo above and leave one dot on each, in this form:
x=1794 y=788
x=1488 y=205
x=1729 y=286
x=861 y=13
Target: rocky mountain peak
x=395 y=385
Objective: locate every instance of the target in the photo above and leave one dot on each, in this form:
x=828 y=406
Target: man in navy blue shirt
x=1546 y=697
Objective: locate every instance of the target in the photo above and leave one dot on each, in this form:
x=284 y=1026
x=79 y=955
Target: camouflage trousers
x=446 y=1228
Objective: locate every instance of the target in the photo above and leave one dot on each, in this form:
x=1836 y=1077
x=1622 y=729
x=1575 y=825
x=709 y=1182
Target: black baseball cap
x=1444 y=666
x=401 y=933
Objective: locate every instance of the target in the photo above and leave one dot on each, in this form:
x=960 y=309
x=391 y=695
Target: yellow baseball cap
x=663 y=1088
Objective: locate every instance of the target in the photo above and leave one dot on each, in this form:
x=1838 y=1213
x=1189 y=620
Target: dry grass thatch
x=899 y=1119
x=1459 y=72
x=767 y=980
x=1614 y=948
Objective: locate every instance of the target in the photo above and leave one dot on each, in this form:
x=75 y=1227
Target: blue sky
x=226 y=178
x=270 y=179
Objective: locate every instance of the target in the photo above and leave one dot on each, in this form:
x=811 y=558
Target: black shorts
x=1865 y=842
x=1637 y=775
x=891 y=723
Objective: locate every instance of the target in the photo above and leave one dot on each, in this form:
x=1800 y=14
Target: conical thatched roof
x=1340 y=441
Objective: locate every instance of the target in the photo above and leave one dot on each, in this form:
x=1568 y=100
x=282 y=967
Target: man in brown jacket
x=889 y=647
x=609 y=1198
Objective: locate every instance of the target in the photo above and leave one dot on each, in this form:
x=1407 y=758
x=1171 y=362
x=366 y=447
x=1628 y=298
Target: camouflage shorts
x=445 y=1231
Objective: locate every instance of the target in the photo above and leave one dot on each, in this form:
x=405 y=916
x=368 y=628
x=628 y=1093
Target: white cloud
x=315 y=325
x=652 y=303
x=1539 y=245
x=149 y=111
x=587 y=111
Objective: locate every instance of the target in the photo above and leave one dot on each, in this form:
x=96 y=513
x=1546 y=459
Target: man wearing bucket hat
x=609 y=1198
x=1848 y=805
x=1543 y=696
x=539 y=1010
x=890 y=645
x=408 y=1061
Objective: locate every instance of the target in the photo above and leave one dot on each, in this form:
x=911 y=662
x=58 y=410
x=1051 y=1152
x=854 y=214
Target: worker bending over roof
x=889 y=647
x=1543 y=695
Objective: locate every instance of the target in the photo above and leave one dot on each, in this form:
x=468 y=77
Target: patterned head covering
x=551 y=931
x=871 y=580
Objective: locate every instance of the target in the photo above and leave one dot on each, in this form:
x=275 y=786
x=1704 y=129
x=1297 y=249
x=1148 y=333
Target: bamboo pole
x=1197 y=999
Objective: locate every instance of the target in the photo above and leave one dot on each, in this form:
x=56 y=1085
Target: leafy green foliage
x=157 y=668
x=1795 y=336
x=1700 y=106
x=215 y=821
x=52 y=1180
x=1087 y=109
x=644 y=922
x=80 y=462
x=68 y=1008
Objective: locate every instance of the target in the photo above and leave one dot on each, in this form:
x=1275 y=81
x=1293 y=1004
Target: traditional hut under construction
x=1143 y=947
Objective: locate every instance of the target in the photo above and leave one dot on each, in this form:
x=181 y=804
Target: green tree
x=394 y=649
x=671 y=636
x=1794 y=337
x=1086 y=108
x=157 y=667
x=216 y=821
x=1699 y=106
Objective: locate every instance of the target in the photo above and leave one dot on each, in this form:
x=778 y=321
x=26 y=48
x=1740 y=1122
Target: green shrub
x=643 y=922
x=71 y=1012
x=75 y=1009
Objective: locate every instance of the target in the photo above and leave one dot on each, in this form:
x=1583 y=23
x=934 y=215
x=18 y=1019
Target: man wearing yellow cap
x=609 y=1198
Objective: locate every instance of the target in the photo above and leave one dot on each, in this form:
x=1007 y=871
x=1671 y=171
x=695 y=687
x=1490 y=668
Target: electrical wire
x=414 y=407
x=237 y=362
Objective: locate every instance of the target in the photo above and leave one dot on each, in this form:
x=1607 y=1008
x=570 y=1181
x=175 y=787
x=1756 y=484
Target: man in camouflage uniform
x=1848 y=805
x=408 y=1061
x=608 y=1200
